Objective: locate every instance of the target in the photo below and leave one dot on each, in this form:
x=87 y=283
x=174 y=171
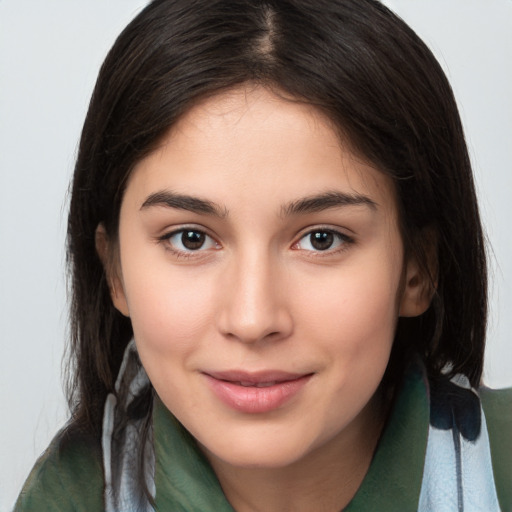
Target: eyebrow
x=309 y=204
x=184 y=202
x=325 y=201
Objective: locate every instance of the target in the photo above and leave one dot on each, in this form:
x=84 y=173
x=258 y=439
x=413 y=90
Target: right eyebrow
x=193 y=204
x=325 y=201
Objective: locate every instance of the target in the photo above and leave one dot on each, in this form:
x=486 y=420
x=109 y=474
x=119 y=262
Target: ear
x=420 y=281
x=418 y=290
x=110 y=260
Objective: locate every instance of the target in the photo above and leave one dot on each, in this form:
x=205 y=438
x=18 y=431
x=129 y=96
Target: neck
x=326 y=479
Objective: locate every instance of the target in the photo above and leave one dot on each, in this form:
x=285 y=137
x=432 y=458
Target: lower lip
x=253 y=400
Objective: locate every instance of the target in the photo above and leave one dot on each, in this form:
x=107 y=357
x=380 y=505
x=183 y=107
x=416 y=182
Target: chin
x=252 y=460
x=252 y=451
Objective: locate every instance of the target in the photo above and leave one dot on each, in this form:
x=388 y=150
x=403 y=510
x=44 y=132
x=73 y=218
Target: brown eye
x=188 y=240
x=192 y=240
x=321 y=240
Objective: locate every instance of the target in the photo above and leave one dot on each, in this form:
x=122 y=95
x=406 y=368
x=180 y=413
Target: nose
x=255 y=302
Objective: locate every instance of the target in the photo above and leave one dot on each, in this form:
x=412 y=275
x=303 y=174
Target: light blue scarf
x=457 y=473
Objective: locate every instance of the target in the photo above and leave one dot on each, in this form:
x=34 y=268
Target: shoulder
x=67 y=477
x=497 y=406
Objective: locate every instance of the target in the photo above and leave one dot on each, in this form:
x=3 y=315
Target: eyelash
x=343 y=242
x=186 y=253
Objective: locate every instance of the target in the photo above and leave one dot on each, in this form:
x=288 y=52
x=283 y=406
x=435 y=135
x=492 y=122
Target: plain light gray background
x=50 y=53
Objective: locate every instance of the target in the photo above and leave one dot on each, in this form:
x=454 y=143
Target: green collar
x=186 y=482
x=393 y=481
x=184 y=479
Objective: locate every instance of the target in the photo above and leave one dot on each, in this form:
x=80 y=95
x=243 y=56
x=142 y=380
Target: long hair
x=352 y=59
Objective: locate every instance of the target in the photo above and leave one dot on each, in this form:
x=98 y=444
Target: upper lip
x=258 y=377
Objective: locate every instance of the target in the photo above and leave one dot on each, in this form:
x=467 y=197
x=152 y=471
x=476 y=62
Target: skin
x=258 y=295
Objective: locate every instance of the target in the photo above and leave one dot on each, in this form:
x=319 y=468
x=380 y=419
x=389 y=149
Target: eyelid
x=186 y=253
x=346 y=240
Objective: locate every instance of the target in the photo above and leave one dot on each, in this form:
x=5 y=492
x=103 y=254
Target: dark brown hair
x=353 y=59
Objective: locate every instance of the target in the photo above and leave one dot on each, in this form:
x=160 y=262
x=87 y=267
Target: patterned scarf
x=457 y=474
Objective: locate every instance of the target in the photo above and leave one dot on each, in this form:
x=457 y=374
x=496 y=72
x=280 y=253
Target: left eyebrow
x=193 y=204
x=320 y=202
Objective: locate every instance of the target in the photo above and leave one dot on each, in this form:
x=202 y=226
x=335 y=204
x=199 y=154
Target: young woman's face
x=261 y=265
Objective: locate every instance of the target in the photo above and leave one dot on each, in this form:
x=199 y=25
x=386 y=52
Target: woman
x=274 y=201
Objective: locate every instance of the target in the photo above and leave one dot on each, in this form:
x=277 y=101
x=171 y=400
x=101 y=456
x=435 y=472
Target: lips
x=258 y=384
x=254 y=393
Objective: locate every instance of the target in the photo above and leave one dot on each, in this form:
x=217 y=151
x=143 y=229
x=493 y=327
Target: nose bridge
x=255 y=307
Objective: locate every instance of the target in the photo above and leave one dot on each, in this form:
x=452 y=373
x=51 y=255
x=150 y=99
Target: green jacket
x=69 y=475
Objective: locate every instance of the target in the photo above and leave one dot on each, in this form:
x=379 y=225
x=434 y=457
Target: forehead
x=249 y=143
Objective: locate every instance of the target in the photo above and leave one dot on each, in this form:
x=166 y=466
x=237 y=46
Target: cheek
x=169 y=310
x=351 y=316
x=356 y=315
x=353 y=304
